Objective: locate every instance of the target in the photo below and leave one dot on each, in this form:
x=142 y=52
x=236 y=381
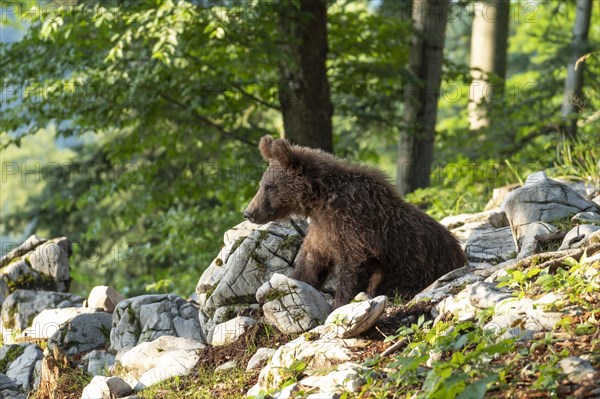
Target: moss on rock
x=13 y=353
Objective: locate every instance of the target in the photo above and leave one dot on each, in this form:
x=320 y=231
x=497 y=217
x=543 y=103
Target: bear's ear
x=283 y=152
x=265 y=147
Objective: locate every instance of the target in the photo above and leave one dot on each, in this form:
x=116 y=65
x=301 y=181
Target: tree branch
x=237 y=86
x=536 y=133
x=208 y=122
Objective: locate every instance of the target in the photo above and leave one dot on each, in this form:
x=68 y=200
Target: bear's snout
x=248 y=214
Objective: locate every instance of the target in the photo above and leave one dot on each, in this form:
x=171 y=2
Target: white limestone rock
x=269 y=249
x=261 y=356
x=20 y=308
x=491 y=245
x=444 y=286
x=483 y=295
x=165 y=357
x=52 y=259
x=82 y=333
x=356 y=317
x=147 y=317
x=314 y=352
x=291 y=305
x=36 y=265
x=586 y=218
x=231 y=241
x=104 y=298
x=458 y=305
x=106 y=388
x=348 y=377
x=225 y=313
x=522 y=318
x=543 y=200
x=28 y=245
x=230 y=331
x=49 y=321
x=526 y=241
x=496 y=218
x=21 y=369
x=230 y=365
x=578 y=371
x=99 y=362
x=578 y=236
x=8 y=384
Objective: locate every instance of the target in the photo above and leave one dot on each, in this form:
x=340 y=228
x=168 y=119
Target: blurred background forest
x=131 y=126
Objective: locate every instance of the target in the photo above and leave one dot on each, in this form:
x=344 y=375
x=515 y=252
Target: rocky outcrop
x=47 y=322
x=313 y=351
x=106 y=388
x=103 y=298
x=490 y=245
x=18 y=366
x=579 y=236
x=347 y=377
x=512 y=317
x=231 y=242
x=152 y=362
x=20 y=307
x=98 y=362
x=251 y=255
x=542 y=200
x=147 y=317
x=82 y=333
x=37 y=265
x=578 y=370
x=230 y=330
x=261 y=356
x=355 y=318
x=9 y=388
x=27 y=246
x=292 y=306
x=249 y=263
x=324 y=347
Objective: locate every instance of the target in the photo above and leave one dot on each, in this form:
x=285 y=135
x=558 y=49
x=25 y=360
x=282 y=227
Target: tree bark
x=573 y=97
x=489 y=44
x=415 y=149
x=303 y=87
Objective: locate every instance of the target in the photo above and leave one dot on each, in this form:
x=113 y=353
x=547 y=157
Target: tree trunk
x=303 y=86
x=415 y=149
x=573 y=97
x=489 y=43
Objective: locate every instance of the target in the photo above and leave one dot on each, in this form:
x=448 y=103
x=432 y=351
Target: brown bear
x=360 y=227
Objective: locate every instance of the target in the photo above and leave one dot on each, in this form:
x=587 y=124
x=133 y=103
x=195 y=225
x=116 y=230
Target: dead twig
x=550 y=237
x=395 y=348
x=576 y=254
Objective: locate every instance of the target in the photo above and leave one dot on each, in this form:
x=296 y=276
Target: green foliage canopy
x=167 y=100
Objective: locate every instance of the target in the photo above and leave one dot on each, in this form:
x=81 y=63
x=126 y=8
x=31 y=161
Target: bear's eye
x=269 y=187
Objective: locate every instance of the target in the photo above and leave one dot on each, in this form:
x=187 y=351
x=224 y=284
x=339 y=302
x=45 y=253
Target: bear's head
x=282 y=187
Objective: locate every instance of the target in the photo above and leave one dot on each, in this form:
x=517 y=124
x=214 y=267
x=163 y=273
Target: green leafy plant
x=519 y=280
x=164 y=286
x=578 y=159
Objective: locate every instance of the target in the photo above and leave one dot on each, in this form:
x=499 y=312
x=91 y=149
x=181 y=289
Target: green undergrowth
x=63 y=380
x=460 y=359
x=203 y=383
x=577 y=280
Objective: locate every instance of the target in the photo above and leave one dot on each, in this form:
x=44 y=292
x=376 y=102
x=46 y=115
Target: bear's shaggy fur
x=360 y=227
